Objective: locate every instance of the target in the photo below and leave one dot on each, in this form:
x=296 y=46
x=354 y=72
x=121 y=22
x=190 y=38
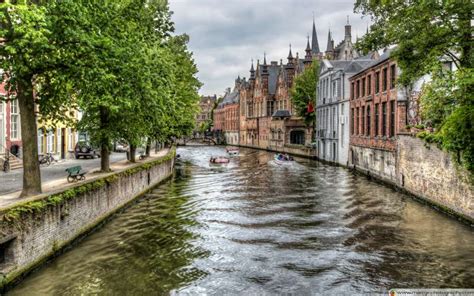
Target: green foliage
x=427 y=33
x=116 y=61
x=303 y=92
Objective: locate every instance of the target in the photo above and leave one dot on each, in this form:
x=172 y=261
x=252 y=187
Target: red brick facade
x=377 y=115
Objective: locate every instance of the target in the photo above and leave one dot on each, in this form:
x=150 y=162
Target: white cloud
x=226 y=34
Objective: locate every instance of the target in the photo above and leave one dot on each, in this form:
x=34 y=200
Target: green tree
x=32 y=53
x=303 y=92
x=426 y=34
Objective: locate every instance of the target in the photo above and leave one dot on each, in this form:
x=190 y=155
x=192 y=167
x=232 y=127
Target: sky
x=226 y=34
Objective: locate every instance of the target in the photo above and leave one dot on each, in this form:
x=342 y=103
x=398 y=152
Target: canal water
x=255 y=227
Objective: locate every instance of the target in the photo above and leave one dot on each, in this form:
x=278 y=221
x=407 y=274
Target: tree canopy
x=303 y=92
x=426 y=35
x=115 y=61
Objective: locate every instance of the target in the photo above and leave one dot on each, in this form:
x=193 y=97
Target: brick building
x=267 y=115
x=378 y=114
x=10 y=133
x=226 y=115
x=206 y=104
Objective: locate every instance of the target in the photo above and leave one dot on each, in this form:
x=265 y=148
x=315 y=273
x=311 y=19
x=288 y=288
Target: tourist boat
x=283 y=158
x=234 y=152
x=219 y=159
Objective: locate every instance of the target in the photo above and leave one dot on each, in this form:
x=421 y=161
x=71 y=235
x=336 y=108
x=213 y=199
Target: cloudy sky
x=226 y=34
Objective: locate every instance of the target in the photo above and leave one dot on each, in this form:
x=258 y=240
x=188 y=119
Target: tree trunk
x=156 y=147
x=31 y=169
x=104 y=140
x=148 y=147
x=133 y=150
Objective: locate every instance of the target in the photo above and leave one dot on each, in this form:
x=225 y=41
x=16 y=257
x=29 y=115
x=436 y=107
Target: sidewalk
x=55 y=177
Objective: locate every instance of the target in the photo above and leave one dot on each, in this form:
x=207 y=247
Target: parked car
x=119 y=147
x=85 y=150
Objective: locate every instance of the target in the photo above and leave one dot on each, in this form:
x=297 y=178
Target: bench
x=75 y=173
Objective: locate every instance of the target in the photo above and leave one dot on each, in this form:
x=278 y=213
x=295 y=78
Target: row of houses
x=59 y=140
x=258 y=111
x=360 y=108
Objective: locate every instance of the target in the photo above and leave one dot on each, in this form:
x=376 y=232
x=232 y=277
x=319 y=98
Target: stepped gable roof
x=281 y=113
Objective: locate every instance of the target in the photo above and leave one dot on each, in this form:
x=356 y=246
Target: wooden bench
x=75 y=173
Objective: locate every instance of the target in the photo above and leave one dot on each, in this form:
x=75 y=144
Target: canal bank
x=37 y=229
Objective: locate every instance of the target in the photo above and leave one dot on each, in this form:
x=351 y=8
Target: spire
x=347 y=30
x=290 y=55
x=252 y=72
x=329 y=46
x=264 y=66
x=314 y=40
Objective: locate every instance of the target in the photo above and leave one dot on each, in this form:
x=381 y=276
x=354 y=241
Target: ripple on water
x=253 y=227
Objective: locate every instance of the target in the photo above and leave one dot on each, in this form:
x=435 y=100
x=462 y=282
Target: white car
x=121 y=148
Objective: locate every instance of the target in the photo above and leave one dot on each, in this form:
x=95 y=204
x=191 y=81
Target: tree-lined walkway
x=54 y=176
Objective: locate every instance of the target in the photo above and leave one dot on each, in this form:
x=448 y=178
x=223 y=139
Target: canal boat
x=219 y=159
x=281 y=158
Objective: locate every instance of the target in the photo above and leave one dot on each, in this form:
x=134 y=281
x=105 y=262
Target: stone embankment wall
x=428 y=172
x=298 y=150
x=374 y=162
x=37 y=229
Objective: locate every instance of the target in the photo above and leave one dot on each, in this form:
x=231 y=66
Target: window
x=368 y=120
x=363 y=87
x=50 y=141
x=14 y=120
x=40 y=141
x=357 y=121
x=384 y=119
x=384 y=80
x=363 y=120
x=377 y=119
x=377 y=82
x=352 y=121
x=392 y=118
x=297 y=137
x=369 y=84
x=392 y=76
x=358 y=89
x=352 y=90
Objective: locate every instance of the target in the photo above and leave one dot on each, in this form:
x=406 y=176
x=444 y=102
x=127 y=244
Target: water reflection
x=253 y=226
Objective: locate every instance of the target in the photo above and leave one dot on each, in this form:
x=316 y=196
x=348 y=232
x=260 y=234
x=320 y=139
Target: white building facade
x=332 y=108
